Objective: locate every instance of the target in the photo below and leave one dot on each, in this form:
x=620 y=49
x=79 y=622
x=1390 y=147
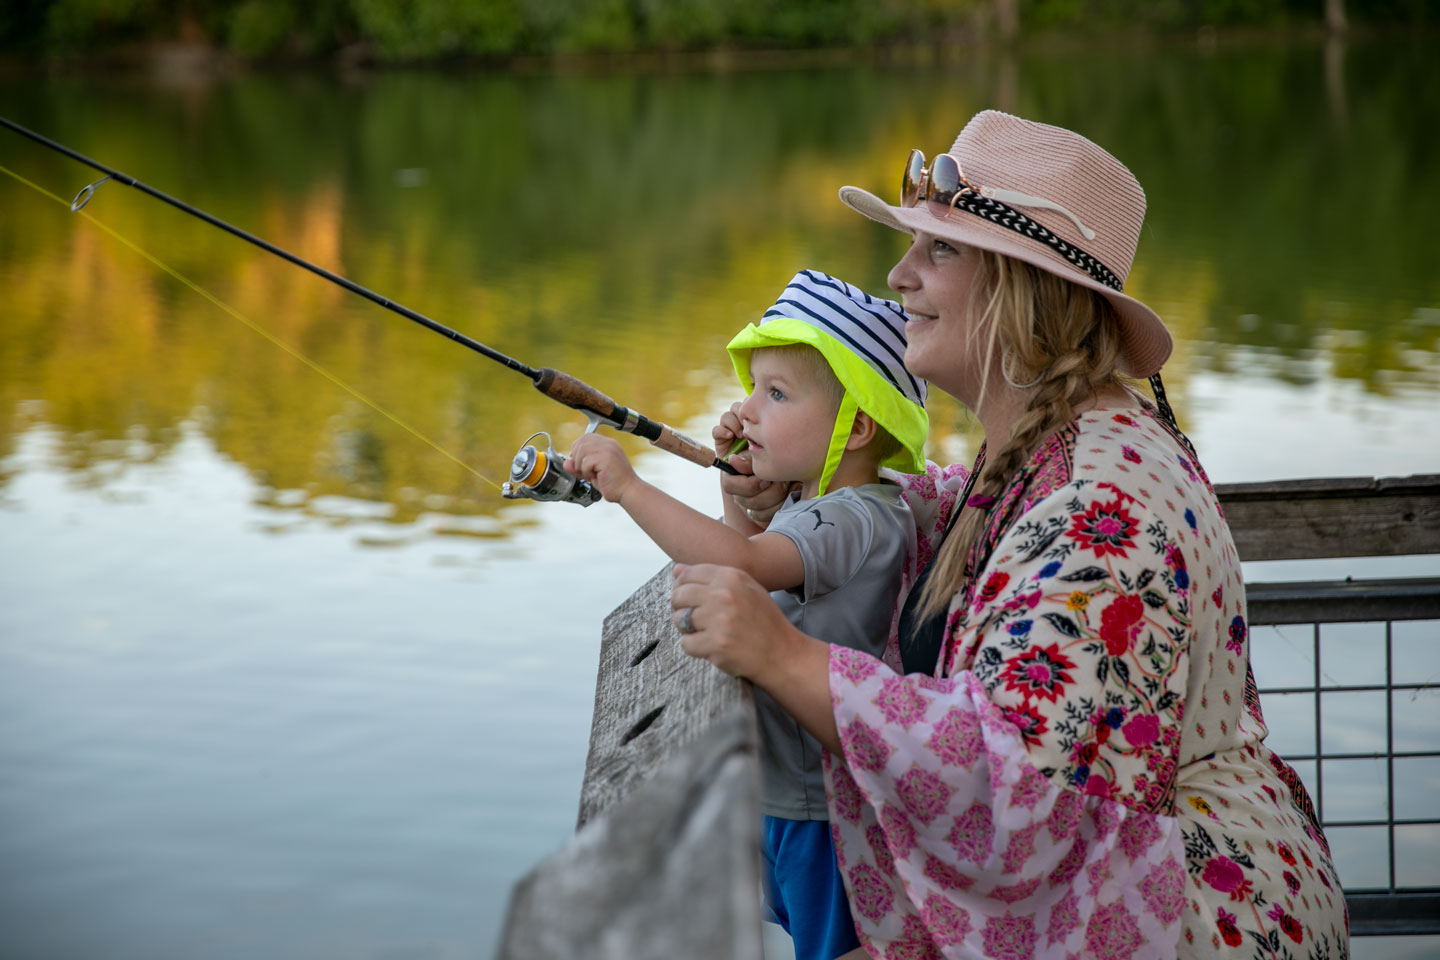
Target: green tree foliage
x=427 y=30
x=70 y=24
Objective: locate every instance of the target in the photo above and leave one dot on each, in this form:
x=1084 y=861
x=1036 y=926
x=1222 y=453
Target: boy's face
x=788 y=419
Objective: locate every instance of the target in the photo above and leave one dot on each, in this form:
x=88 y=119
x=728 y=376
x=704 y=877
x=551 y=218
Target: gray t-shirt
x=853 y=543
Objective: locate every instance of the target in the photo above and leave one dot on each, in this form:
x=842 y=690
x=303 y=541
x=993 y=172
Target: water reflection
x=182 y=502
x=620 y=227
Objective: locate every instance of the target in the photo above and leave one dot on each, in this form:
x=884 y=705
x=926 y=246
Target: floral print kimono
x=1086 y=775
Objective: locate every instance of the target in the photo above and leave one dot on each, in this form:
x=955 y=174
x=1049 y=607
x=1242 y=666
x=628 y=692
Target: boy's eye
x=775 y=394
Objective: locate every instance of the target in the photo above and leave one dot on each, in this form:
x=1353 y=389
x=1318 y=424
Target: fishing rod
x=534 y=474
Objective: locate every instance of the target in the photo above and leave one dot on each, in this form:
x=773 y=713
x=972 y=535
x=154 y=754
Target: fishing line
x=84 y=196
x=577 y=394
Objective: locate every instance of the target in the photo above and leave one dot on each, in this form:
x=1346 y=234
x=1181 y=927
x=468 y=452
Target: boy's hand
x=758 y=498
x=602 y=461
x=725 y=433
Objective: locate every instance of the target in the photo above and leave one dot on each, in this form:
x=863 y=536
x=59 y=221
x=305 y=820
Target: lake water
x=282 y=677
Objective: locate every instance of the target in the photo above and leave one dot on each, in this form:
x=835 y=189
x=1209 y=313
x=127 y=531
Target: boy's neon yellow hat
x=863 y=340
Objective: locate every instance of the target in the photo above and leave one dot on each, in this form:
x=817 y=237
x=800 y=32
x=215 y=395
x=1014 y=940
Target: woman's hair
x=1043 y=328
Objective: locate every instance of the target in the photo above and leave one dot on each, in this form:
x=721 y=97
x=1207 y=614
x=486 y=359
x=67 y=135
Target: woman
x=1071 y=762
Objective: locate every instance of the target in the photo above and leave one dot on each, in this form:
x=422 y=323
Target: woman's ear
x=862 y=431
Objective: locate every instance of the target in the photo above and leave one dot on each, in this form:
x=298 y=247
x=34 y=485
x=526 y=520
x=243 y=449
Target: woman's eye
x=942 y=248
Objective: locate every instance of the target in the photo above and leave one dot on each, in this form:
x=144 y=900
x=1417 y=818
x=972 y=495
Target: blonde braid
x=1041 y=323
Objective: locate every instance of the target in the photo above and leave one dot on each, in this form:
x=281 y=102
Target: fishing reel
x=537 y=474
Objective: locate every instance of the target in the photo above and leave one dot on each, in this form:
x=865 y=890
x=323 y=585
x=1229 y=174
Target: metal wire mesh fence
x=1349 y=677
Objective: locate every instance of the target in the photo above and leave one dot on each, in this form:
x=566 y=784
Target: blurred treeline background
x=411 y=31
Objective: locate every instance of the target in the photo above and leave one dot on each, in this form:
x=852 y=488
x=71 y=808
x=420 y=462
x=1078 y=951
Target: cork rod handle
x=573 y=392
x=579 y=394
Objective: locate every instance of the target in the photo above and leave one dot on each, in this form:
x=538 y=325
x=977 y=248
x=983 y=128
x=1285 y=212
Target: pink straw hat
x=1049 y=197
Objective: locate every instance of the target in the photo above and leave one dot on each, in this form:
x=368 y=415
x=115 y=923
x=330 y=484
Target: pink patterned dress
x=1086 y=775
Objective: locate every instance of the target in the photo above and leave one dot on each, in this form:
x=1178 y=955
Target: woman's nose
x=902 y=277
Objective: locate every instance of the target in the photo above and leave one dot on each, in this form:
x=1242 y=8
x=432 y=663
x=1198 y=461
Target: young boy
x=829 y=403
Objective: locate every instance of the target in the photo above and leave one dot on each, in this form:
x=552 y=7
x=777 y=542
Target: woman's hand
x=601 y=461
x=757 y=499
x=736 y=626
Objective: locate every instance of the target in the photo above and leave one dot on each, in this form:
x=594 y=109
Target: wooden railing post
x=666 y=861
x=672 y=870
x=1333 y=517
x=651 y=700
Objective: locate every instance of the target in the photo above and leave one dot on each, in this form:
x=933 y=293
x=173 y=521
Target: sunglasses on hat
x=943 y=183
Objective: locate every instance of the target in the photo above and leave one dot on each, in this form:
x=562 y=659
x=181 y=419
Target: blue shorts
x=803 y=889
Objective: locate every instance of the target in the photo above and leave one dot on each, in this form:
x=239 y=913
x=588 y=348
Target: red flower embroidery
x=1225 y=875
x=1236 y=643
x=1130 y=454
x=993 y=585
x=1228 y=931
x=1120 y=623
x=1039 y=672
x=1288 y=924
x=1106 y=528
x=1142 y=729
x=1028 y=721
x=1284 y=850
x=1029 y=600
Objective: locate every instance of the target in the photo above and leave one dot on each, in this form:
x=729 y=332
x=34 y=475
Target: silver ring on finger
x=686 y=623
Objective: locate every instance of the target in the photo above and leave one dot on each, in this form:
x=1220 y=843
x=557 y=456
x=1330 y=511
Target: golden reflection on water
x=621 y=228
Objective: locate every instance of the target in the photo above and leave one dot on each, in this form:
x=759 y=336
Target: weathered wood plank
x=650 y=698
x=1334 y=517
x=673 y=870
x=1393 y=914
x=1342 y=601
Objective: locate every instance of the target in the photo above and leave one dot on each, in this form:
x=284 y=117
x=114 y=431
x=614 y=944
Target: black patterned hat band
x=1083 y=210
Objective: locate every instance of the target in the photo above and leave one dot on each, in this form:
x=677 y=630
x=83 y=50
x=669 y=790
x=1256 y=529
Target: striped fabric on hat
x=873 y=328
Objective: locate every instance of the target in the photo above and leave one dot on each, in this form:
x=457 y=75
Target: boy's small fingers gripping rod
x=585 y=398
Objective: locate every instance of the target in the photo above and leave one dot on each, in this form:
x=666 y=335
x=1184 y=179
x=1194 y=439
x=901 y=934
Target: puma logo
x=819 y=519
